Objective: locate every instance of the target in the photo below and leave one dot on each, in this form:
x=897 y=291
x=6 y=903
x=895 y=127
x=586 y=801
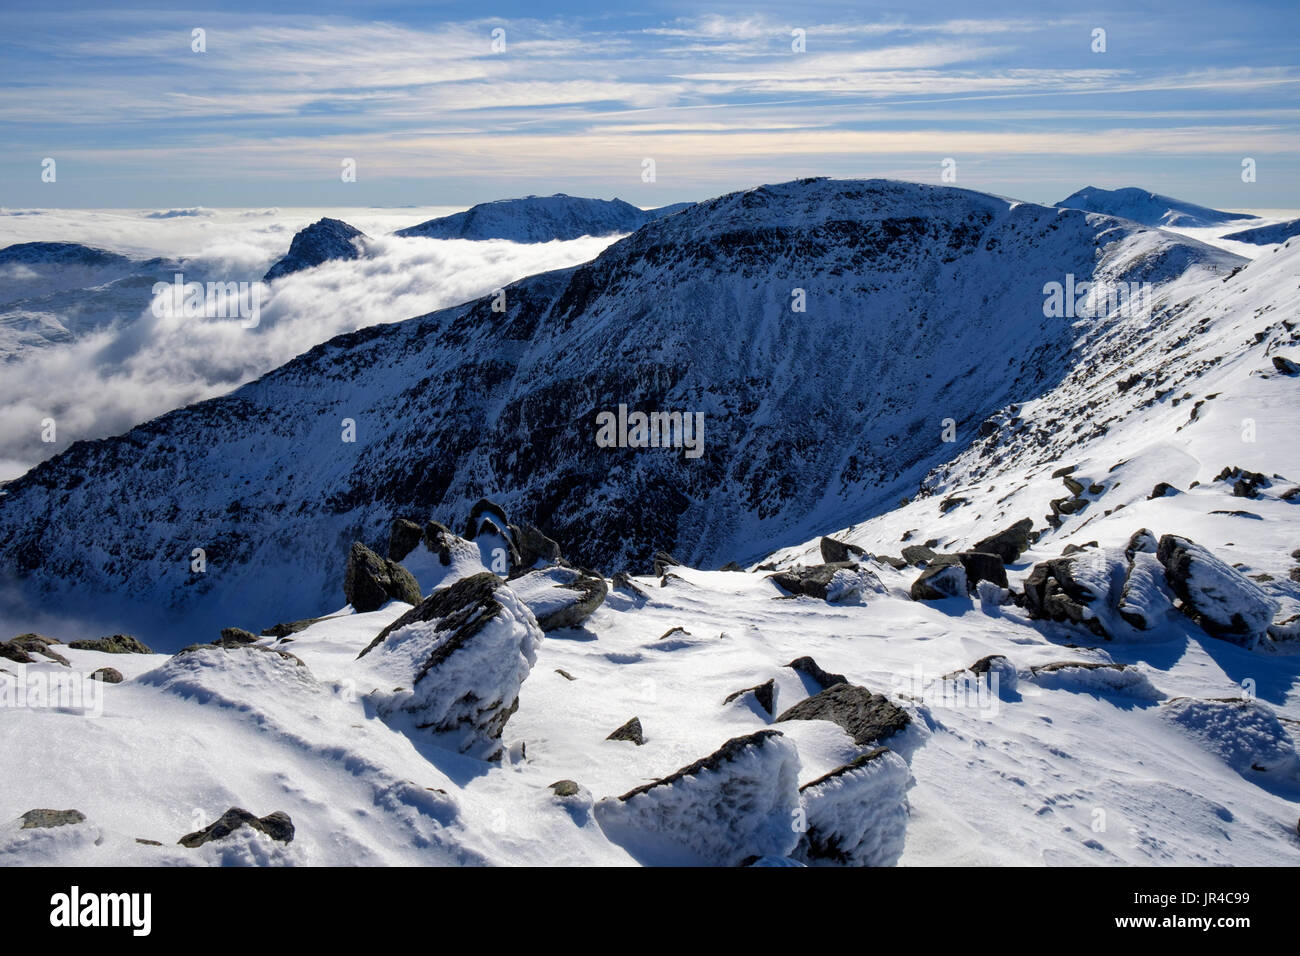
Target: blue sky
x=585 y=92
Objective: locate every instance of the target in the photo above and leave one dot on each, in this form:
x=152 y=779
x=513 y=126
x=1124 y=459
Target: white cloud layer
x=115 y=378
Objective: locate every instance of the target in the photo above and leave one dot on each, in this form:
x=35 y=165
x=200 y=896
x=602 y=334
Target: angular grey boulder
x=371 y=581
x=834 y=551
x=403 y=538
x=277 y=825
x=631 y=732
x=866 y=717
x=560 y=596
x=939 y=581
x=841 y=581
x=45 y=819
x=1009 y=543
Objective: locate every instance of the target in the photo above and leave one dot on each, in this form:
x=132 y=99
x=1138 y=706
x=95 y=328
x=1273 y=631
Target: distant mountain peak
x=322 y=241
x=1148 y=208
x=540 y=219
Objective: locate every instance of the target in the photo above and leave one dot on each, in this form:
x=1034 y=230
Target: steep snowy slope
x=924 y=314
x=1150 y=209
x=541 y=219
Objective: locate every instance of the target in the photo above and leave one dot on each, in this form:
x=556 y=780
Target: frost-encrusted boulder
x=1246 y=734
x=1009 y=543
x=857 y=814
x=838 y=582
x=995 y=671
x=560 y=596
x=277 y=825
x=940 y=581
x=739 y=802
x=455 y=663
x=1216 y=595
x=1095 y=677
x=1064 y=589
x=1145 y=599
x=1141 y=541
x=866 y=717
x=371 y=581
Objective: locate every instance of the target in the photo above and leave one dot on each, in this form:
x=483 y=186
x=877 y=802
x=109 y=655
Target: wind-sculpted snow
x=922 y=306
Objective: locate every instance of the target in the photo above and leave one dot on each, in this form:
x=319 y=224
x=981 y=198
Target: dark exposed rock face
x=403 y=538
x=834 y=552
x=809 y=668
x=109 y=675
x=115 y=644
x=322 y=241
x=237 y=635
x=981 y=566
x=630 y=731
x=865 y=716
x=939 y=581
x=818 y=580
x=534 y=547
x=1009 y=543
x=277 y=825
x=764 y=693
x=1052 y=593
x=44 y=819
x=371 y=581
x=662 y=562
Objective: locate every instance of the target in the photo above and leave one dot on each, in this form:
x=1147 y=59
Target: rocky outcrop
x=764 y=694
x=1225 y=602
x=866 y=717
x=1054 y=593
x=277 y=825
x=403 y=537
x=631 y=731
x=842 y=581
x=810 y=669
x=939 y=581
x=1009 y=543
x=370 y=581
x=109 y=675
x=114 y=644
x=834 y=552
x=45 y=819
x=560 y=596
x=456 y=662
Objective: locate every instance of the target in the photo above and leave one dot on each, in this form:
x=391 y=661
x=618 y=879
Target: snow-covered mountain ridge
x=924 y=306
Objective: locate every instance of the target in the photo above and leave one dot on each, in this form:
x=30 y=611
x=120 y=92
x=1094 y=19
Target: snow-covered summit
x=541 y=219
x=1148 y=208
